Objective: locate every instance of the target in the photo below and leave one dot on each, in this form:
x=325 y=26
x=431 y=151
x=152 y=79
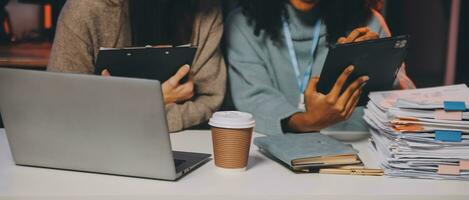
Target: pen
x=362 y=172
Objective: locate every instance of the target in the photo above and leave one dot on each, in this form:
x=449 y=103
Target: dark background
x=426 y=21
x=462 y=72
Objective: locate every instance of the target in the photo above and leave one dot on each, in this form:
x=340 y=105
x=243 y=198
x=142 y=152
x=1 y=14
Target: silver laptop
x=90 y=123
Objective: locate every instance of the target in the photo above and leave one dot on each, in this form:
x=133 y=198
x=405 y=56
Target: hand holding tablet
x=333 y=97
x=379 y=59
x=326 y=109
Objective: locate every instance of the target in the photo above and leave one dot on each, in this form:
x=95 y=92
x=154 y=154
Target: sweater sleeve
x=71 y=53
x=209 y=72
x=252 y=88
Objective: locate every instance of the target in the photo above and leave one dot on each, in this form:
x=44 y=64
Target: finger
x=337 y=88
x=191 y=77
x=351 y=89
x=105 y=72
x=368 y=36
x=312 y=86
x=355 y=97
x=187 y=85
x=352 y=108
x=189 y=92
x=180 y=74
x=356 y=33
x=341 y=40
x=186 y=91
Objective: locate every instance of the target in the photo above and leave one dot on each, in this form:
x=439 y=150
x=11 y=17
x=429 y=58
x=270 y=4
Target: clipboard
x=149 y=62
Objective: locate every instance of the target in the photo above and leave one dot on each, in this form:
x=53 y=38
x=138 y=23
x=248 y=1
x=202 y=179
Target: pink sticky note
x=444 y=115
x=464 y=164
x=448 y=169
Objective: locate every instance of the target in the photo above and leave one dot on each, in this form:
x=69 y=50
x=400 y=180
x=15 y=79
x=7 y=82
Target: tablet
x=380 y=59
x=156 y=63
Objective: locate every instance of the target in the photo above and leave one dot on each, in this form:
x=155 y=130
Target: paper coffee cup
x=231 y=137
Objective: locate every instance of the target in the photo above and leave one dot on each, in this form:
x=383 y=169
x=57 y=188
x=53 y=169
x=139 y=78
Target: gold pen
x=357 y=171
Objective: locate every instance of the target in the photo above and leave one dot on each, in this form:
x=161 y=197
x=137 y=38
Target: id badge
x=301 y=104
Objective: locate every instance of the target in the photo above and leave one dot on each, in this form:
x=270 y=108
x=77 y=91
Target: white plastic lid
x=232 y=119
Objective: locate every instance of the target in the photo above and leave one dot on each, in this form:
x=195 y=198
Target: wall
x=427 y=23
x=462 y=65
x=24 y=18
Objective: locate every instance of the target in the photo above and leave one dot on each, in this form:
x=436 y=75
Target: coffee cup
x=231 y=137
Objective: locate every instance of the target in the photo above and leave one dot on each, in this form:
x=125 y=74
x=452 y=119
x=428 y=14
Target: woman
x=86 y=25
x=276 y=51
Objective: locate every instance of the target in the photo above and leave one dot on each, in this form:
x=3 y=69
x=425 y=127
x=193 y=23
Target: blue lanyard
x=302 y=81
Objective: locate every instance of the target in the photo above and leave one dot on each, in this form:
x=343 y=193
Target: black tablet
x=380 y=59
x=157 y=63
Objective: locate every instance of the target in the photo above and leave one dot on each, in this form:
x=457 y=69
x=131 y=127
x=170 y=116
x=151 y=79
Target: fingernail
x=366 y=78
x=351 y=68
x=363 y=85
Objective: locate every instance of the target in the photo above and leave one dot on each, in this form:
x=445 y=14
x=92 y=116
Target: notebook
x=304 y=151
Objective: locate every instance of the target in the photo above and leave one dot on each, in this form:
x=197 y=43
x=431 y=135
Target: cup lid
x=232 y=119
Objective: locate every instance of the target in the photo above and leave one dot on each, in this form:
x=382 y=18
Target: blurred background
x=438 y=28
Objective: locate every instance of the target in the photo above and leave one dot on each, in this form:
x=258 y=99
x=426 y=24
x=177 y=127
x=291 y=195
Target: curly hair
x=339 y=16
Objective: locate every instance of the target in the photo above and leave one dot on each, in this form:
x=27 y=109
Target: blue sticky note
x=454 y=106
x=448 y=136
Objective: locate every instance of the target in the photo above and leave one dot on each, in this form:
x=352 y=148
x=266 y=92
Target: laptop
x=90 y=123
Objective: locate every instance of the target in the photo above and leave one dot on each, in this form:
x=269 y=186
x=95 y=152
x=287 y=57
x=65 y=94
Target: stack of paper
x=422 y=133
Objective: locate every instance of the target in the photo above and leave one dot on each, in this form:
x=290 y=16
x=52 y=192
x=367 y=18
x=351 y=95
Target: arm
x=209 y=79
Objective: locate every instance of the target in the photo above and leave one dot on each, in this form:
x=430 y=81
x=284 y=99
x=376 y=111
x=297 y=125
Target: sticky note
x=448 y=115
x=464 y=164
x=448 y=169
x=448 y=136
x=454 y=105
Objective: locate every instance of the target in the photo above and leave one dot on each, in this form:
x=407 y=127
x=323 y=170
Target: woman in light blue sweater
x=276 y=51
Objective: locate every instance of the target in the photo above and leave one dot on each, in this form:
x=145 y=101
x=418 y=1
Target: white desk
x=264 y=179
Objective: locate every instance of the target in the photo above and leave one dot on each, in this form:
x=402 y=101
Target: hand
x=173 y=91
x=323 y=110
x=358 y=35
x=105 y=72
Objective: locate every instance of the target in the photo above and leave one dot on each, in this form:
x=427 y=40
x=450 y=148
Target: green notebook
x=312 y=150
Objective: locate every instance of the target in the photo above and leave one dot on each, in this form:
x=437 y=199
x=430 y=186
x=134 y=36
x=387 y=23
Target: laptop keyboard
x=178 y=162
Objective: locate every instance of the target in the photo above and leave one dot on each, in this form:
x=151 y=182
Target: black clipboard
x=156 y=63
x=380 y=59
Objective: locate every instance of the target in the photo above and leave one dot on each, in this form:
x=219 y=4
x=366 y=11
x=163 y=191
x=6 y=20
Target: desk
x=25 y=56
x=264 y=179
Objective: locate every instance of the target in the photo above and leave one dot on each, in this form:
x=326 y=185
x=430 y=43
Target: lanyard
x=302 y=81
